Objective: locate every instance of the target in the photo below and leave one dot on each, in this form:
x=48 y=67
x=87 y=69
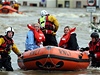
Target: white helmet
x=44 y=13
x=3 y=1
x=9 y=29
x=16 y=0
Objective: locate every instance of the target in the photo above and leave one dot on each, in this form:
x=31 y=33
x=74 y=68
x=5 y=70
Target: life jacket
x=95 y=48
x=16 y=6
x=6 y=46
x=46 y=24
x=65 y=38
x=39 y=36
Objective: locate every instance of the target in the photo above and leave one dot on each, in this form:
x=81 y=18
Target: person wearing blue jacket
x=30 y=43
x=34 y=38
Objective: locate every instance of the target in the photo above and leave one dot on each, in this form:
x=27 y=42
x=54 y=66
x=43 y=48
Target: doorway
x=78 y=4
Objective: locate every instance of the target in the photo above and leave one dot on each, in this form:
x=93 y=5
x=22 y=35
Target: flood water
x=78 y=18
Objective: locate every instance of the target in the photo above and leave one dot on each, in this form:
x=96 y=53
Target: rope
x=51 y=61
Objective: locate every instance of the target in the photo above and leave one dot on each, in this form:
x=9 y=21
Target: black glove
x=26 y=50
x=91 y=54
x=19 y=55
x=84 y=49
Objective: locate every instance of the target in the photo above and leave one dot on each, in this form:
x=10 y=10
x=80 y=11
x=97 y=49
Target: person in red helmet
x=94 y=49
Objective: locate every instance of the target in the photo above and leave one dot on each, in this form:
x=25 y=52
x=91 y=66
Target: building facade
x=72 y=3
x=55 y=3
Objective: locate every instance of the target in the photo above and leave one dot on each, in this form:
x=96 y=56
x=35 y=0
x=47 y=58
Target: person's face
x=10 y=34
x=37 y=27
x=66 y=30
x=93 y=39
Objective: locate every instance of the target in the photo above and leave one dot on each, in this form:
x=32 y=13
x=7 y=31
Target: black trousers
x=95 y=63
x=6 y=63
x=50 y=40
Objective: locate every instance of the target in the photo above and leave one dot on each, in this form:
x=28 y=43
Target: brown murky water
x=78 y=18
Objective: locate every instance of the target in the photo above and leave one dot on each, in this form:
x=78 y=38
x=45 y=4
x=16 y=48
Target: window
x=67 y=4
x=78 y=4
x=24 y=3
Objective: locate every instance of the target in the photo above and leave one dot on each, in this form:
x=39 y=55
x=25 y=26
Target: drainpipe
x=56 y=3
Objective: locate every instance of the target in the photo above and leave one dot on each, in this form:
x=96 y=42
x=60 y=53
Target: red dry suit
x=95 y=47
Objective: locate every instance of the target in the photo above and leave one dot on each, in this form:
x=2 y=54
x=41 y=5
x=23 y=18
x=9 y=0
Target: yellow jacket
x=52 y=19
x=16 y=5
x=0 y=5
x=13 y=48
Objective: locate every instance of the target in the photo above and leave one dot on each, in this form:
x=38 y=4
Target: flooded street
x=78 y=18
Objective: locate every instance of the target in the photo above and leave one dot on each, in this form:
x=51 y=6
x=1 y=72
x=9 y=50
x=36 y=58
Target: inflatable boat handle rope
x=51 y=61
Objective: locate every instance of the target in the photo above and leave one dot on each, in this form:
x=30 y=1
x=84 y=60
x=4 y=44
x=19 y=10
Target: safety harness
x=5 y=47
x=46 y=24
x=94 y=46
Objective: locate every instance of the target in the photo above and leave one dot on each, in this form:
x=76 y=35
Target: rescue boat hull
x=8 y=10
x=53 y=58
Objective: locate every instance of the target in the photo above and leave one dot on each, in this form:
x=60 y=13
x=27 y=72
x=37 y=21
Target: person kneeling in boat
x=6 y=45
x=69 y=40
x=16 y=6
x=6 y=2
x=34 y=38
x=94 y=49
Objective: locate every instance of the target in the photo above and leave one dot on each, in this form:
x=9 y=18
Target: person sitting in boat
x=6 y=2
x=35 y=37
x=69 y=40
x=94 y=49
